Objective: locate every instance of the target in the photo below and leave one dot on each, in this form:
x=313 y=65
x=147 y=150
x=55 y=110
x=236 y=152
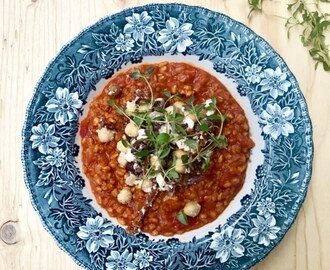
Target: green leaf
x=204 y=126
x=142 y=153
x=192 y=144
x=111 y=102
x=149 y=71
x=159 y=109
x=222 y=141
x=179 y=129
x=164 y=152
x=167 y=94
x=139 y=118
x=173 y=174
x=205 y=163
x=119 y=109
x=184 y=159
x=163 y=138
x=125 y=143
x=214 y=117
x=182 y=217
x=136 y=74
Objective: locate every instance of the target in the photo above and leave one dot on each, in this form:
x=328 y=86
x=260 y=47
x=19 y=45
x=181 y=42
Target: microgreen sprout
x=167 y=135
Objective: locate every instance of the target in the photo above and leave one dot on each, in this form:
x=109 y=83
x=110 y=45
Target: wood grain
x=32 y=32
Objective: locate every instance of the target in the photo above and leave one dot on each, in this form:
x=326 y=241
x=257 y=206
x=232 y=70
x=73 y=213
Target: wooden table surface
x=33 y=31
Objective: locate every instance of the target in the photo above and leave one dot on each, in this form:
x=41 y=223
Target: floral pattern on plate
x=55 y=183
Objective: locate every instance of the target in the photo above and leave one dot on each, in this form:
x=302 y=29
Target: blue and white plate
x=278 y=173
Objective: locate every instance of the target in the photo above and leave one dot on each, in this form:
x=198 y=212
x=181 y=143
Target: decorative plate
x=278 y=173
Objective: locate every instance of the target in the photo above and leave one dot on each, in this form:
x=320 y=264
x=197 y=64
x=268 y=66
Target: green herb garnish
x=167 y=132
x=182 y=217
x=313 y=22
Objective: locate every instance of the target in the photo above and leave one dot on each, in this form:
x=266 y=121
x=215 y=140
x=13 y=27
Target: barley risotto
x=165 y=147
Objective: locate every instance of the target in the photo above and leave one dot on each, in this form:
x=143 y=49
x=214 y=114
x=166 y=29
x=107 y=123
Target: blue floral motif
x=124 y=43
x=266 y=207
x=55 y=157
x=139 y=25
x=228 y=242
x=117 y=261
x=264 y=230
x=97 y=233
x=275 y=81
x=43 y=138
x=176 y=36
x=253 y=73
x=142 y=258
x=276 y=120
x=65 y=105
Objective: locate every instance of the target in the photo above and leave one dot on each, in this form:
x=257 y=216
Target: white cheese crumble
x=190 y=122
x=160 y=181
x=155 y=162
x=165 y=128
x=130 y=179
x=207 y=103
x=131 y=106
x=142 y=134
x=129 y=156
x=122 y=160
x=105 y=135
x=181 y=144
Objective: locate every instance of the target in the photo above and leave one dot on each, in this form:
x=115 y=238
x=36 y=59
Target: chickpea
x=179 y=166
x=147 y=185
x=124 y=196
x=179 y=153
x=179 y=105
x=130 y=180
x=121 y=147
x=131 y=129
x=192 y=209
x=105 y=135
x=155 y=162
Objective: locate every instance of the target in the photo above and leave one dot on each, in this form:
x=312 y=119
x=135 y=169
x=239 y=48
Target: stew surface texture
x=156 y=212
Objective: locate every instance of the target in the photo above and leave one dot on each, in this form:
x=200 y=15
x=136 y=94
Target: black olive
x=134 y=168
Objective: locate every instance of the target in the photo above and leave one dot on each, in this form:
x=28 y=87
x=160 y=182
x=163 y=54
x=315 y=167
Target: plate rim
x=33 y=99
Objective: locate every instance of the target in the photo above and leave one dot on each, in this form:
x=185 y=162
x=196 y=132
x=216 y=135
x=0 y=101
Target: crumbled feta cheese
x=165 y=128
x=142 y=134
x=160 y=181
x=129 y=156
x=105 y=135
x=182 y=145
x=209 y=112
x=122 y=160
x=208 y=102
x=130 y=106
x=155 y=162
x=190 y=122
x=130 y=179
x=169 y=109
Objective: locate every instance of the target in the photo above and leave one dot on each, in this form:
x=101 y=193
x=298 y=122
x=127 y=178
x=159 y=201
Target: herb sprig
x=198 y=142
x=314 y=24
